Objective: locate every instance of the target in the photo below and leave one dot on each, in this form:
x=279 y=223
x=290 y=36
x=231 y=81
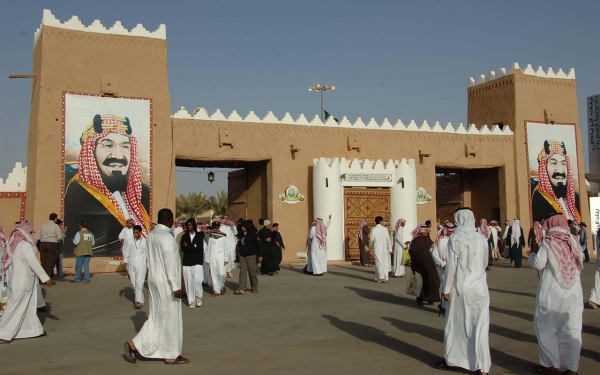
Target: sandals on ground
x=238 y=292
x=130 y=353
x=178 y=361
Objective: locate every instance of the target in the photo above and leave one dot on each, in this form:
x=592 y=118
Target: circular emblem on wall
x=291 y=195
x=422 y=196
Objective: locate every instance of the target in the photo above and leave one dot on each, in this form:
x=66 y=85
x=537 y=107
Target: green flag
x=327 y=115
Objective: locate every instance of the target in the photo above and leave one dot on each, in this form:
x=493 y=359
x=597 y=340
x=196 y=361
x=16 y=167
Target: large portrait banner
x=107 y=164
x=553 y=170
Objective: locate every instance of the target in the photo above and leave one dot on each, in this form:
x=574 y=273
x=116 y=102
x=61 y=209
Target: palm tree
x=219 y=204
x=191 y=205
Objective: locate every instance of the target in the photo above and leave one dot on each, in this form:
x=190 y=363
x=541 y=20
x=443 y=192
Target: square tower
x=540 y=107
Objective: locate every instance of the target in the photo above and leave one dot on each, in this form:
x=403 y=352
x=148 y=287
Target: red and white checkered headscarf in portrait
x=22 y=232
x=564 y=252
x=556 y=148
x=89 y=172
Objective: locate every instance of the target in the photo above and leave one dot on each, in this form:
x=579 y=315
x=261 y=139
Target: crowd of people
x=179 y=261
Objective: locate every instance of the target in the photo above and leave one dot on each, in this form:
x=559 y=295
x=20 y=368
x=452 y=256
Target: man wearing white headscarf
x=19 y=320
x=516 y=241
x=466 y=335
x=399 y=247
x=439 y=252
x=559 y=311
x=317 y=246
x=382 y=247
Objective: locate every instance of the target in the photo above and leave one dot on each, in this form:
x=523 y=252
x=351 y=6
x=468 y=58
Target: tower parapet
x=74 y=23
x=529 y=70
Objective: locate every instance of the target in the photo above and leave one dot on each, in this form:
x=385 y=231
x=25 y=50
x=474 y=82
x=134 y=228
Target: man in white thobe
x=135 y=257
x=558 y=315
x=382 y=247
x=399 y=247
x=126 y=233
x=317 y=245
x=162 y=334
x=19 y=319
x=229 y=246
x=216 y=259
x=594 y=301
x=439 y=253
x=466 y=334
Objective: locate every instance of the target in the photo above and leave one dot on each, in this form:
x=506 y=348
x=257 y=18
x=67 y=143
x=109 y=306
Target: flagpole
x=321 y=90
x=322 y=113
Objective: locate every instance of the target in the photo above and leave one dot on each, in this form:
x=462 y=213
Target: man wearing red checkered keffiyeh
x=555 y=191
x=108 y=188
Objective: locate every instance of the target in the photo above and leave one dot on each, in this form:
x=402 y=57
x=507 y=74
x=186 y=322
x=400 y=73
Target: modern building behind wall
x=291 y=170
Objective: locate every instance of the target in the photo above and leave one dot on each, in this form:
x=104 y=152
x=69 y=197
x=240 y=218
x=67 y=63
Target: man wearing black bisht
x=422 y=263
x=278 y=247
x=265 y=236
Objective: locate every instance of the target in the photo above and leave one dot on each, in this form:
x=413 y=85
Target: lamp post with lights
x=322 y=90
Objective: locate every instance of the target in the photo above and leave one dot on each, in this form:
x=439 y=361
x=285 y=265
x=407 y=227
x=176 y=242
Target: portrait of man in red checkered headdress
x=555 y=190
x=107 y=189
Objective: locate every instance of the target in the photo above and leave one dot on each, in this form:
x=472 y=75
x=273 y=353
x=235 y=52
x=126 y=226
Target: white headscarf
x=516 y=232
x=464 y=244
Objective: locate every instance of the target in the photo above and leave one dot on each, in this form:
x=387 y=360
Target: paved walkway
x=342 y=323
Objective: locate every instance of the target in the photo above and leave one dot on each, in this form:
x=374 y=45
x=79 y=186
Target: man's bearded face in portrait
x=113 y=154
x=557 y=173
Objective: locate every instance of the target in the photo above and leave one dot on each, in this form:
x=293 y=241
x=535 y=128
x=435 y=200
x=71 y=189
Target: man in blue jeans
x=84 y=242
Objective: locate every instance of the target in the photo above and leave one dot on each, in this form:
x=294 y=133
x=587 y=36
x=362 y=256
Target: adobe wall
x=270 y=140
x=13 y=197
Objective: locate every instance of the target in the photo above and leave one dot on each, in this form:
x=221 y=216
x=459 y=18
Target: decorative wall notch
x=225 y=139
x=353 y=144
x=294 y=149
x=109 y=85
x=470 y=150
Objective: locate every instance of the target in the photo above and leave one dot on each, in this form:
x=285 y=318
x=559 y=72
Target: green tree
x=219 y=204
x=191 y=205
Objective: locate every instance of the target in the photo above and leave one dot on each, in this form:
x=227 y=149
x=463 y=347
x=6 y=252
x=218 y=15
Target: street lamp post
x=321 y=89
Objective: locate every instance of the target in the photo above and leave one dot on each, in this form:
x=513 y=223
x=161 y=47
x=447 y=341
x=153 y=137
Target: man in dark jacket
x=192 y=246
x=249 y=249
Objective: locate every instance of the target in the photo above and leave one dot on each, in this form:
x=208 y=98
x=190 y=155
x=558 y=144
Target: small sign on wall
x=422 y=196
x=291 y=195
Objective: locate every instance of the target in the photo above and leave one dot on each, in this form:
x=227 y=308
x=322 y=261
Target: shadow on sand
x=370 y=334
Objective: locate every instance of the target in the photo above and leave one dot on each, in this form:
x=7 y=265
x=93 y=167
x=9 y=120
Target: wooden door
x=363 y=203
x=237 y=185
x=448 y=194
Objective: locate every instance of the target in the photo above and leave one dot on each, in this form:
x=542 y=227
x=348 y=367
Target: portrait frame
x=64 y=139
x=575 y=141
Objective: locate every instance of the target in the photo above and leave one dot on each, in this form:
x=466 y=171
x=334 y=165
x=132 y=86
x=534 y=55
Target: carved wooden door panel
x=236 y=194
x=363 y=203
x=448 y=194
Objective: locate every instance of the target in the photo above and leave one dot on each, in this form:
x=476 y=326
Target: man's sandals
x=130 y=354
x=539 y=369
x=239 y=292
x=178 y=361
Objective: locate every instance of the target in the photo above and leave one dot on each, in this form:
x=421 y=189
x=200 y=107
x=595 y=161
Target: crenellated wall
x=13 y=196
x=287 y=119
x=16 y=181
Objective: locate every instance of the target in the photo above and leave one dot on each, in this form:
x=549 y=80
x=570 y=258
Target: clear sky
x=394 y=59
